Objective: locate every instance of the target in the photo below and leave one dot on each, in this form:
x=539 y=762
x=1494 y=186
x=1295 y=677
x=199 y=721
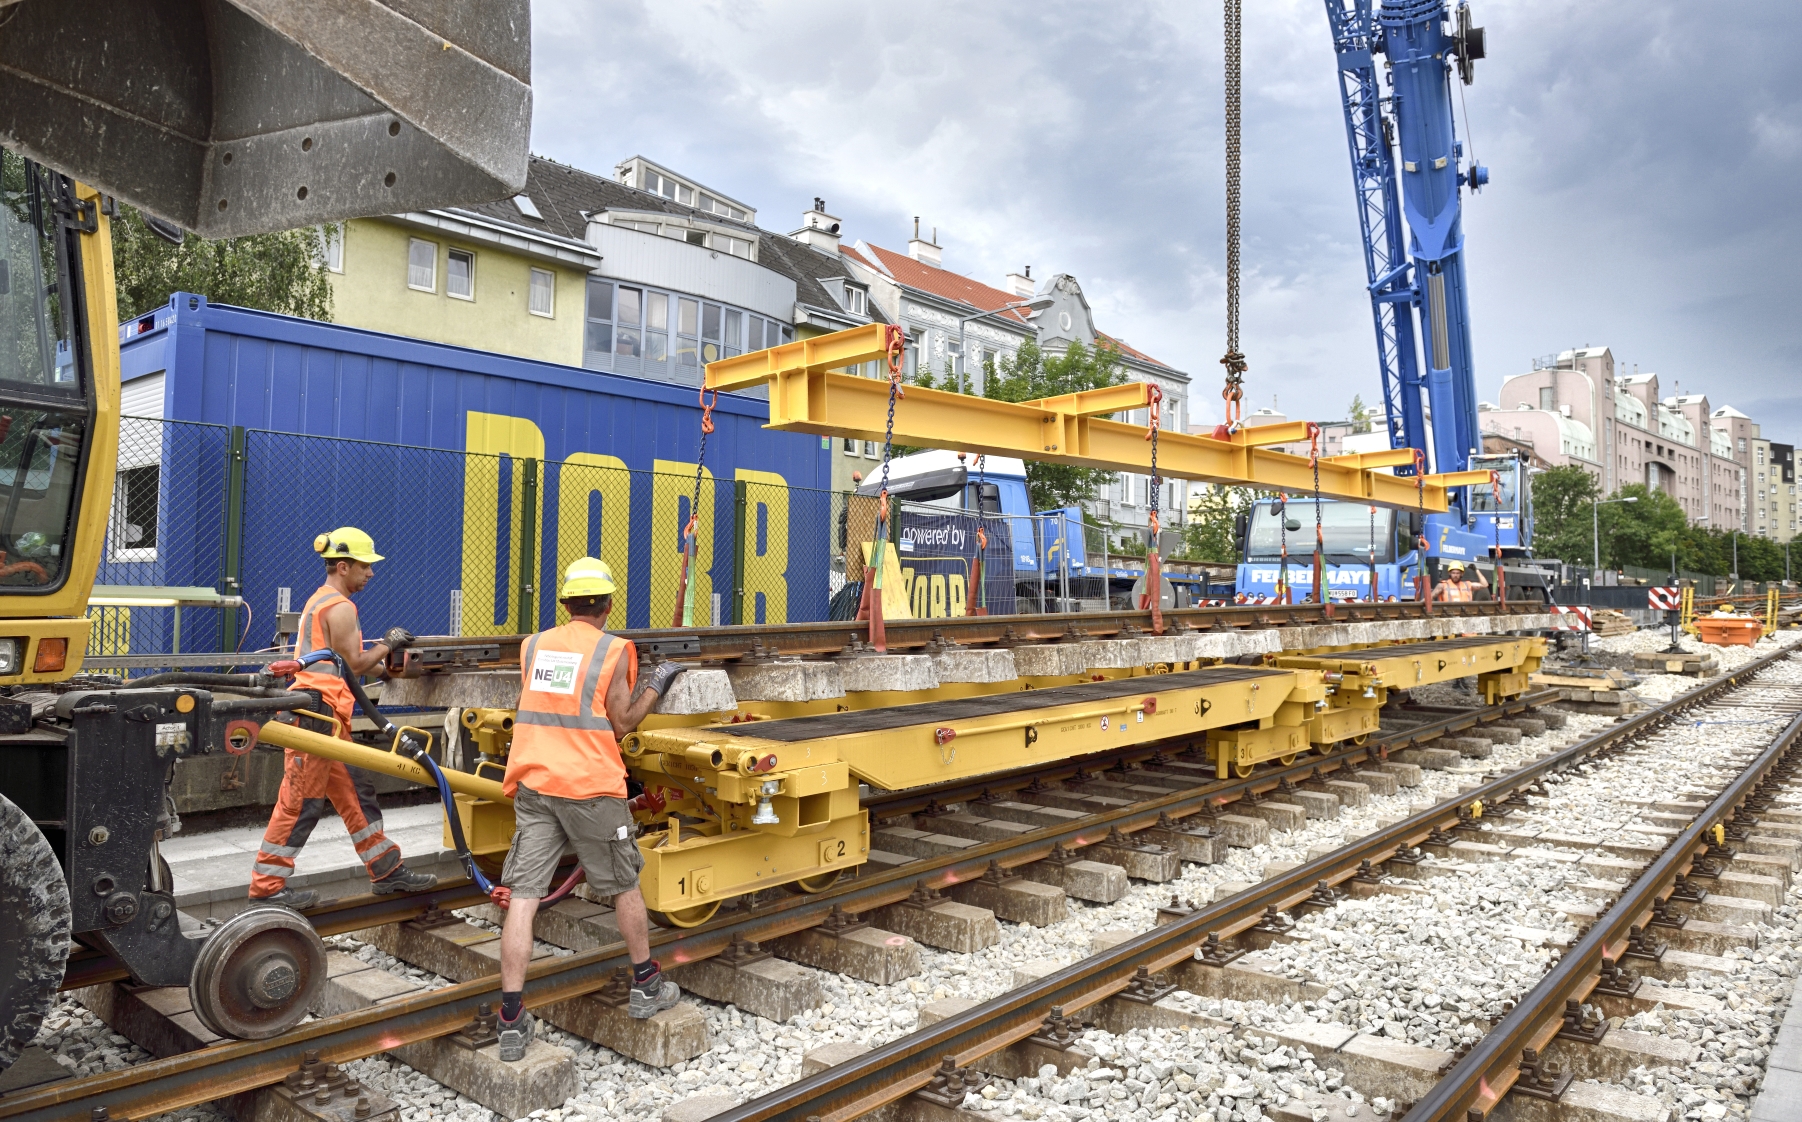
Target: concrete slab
x=1588 y=1102
x=1432 y=759
x=869 y=954
x=1049 y=660
x=830 y=1055
x=1406 y=774
x=1013 y=898
x=1241 y=830
x=1620 y=1051
x=697 y=1108
x=787 y=680
x=1704 y=937
x=946 y=924
x=877 y=672
x=1317 y=804
x=1391 y=1068
x=1026 y=814
x=1765 y=890
x=966 y=664
x=1154 y=863
x=1280 y=815
x=1349 y=793
x=974 y=827
x=158 y=1019
x=771 y=988
x=1094 y=881
x=543 y=1080
x=1111 y=654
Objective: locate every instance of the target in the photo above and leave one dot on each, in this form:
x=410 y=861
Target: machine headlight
x=9 y=656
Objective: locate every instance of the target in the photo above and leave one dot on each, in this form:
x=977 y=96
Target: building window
x=641 y=227
x=422 y=265
x=854 y=300
x=656 y=333
x=710 y=333
x=737 y=247
x=133 y=531
x=544 y=292
x=870 y=450
x=720 y=206
x=331 y=246
x=850 y=446
x=628 y=342
x=658 y=184
x=688 y=344
x=735 y=332
x=599 y=338
x=460 y=274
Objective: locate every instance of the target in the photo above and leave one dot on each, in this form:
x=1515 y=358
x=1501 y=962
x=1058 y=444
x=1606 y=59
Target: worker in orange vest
x=329 y=621
x=1455 y=588
x=567 y=781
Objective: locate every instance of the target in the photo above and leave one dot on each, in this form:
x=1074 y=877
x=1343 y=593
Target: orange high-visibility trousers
x=309 y=783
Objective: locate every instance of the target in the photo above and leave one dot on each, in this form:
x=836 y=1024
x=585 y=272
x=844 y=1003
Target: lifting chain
x=1373 y=555
x=1234 y=361
x=1423 y=582
x=1320 y=584
x=685 y=593
x=1501 y=580
x=981 y=607
x=894 y=344
x=1282 y=527
x=1154 y=569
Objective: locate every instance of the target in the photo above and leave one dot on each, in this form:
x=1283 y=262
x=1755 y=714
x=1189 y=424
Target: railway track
x=232 y=1067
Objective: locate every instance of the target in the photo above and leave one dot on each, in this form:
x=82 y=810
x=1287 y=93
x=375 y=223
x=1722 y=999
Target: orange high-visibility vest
x=1454 y=591
x=563 y=743
x=310 y=637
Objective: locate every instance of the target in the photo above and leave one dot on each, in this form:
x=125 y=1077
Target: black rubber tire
x=34 y=930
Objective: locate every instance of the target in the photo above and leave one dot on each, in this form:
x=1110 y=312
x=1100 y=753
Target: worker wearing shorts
x=567 y=780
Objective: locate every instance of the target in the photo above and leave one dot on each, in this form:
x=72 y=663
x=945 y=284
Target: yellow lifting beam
x=808 y=395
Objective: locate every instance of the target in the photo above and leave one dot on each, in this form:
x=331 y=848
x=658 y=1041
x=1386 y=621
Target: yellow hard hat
x=346 y=543
x=1456 y=567
x=586 y=576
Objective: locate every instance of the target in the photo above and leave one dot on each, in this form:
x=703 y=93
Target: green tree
x=1643 y=532
x=283 y=272
x=1561 y=500
x=1031 y=374
x=1213 y=510
x=1359 y=414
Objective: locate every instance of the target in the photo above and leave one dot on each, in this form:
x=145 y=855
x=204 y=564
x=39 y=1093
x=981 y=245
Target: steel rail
x=893 y=1070
x=1479 y=1081
x=734 y=641
x=224 y=1069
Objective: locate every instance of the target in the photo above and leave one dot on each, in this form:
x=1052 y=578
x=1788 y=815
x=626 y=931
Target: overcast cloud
x=1646 y=160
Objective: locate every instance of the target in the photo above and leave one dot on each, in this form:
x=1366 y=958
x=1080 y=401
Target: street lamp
x=1036 y=304
x=1595 y=521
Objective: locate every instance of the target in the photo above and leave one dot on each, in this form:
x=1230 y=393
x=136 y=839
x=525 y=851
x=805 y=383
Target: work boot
x=516 y=1037
x=652 y=996
x=300 y=899
x=403 y=879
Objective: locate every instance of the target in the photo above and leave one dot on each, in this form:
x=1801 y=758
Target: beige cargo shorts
x=600 y=830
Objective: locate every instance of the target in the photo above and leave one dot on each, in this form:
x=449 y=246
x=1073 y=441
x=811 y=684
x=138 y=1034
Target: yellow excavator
x=221 y=118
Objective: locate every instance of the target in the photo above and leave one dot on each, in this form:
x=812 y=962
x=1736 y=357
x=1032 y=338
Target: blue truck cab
x=1361 y=544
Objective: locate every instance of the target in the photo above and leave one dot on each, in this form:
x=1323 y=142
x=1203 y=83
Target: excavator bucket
x=231 y=117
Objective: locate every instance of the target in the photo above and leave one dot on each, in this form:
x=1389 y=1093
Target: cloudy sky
x=1646 y=161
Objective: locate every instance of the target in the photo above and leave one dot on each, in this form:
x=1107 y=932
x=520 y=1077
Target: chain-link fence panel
x=166 y=531
x=447 y=525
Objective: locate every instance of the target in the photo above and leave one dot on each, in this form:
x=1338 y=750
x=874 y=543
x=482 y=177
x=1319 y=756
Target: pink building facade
x=1575 y=409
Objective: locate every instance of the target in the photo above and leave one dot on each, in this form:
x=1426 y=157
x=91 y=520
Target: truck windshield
x=1483 y=495
x=44 y=412
x=1345 y=527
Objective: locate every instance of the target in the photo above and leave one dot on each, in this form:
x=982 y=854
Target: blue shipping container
x=434 y=449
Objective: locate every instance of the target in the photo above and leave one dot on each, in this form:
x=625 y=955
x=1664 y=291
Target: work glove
x=659 y=679
x=398 y=639
x=650 y=800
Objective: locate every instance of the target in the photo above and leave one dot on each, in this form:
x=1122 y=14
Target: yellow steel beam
x=330 y=747
x=806 y=395
x=820 y=353
x=1098 y=402
x=1388 y=457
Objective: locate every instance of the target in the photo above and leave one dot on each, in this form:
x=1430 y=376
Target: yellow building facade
x=454 y=278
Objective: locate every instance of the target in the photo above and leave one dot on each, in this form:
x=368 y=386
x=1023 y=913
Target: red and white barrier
x=1574 y=618
x=1666 y=598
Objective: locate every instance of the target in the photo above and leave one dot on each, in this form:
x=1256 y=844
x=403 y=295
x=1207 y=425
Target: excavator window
x=44 y=406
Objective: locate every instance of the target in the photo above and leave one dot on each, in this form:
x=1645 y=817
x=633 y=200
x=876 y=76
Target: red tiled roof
x=944 y=283
x=1133 y=352
x=952 y=286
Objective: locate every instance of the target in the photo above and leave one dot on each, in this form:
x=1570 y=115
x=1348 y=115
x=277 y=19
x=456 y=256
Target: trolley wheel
x=258 y=974
x=1360 y=740
x=684 y=917
x=34 y=929
x=811 y=885
x=1287 y=760
x=1243 y=771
